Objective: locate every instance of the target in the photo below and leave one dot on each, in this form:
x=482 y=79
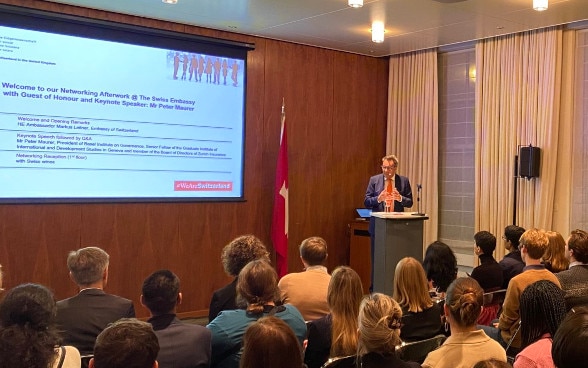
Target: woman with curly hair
x=335 y=334
x=257 y=291
x=234 y=257
x=440 y=266
x=28 y=336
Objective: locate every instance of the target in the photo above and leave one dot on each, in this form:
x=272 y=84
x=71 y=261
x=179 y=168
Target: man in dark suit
x=574 y=281
x=83 y=316
x=386 y=190
x=235 y=255
x=182 y=345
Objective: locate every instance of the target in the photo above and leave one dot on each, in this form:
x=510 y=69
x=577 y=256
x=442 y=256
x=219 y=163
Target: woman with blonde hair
x=467 y=344
x=335 y=334
x=379 y=333
x=421 y=316
x=554 y=258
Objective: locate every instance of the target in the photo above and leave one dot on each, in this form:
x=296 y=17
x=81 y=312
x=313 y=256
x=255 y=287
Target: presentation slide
x=83 y=118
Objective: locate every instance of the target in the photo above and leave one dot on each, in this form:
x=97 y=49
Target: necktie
x=389 y=186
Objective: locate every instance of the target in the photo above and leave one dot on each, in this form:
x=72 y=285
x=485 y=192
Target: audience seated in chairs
x=571 y=339
x=440 y=266
x=28 y=334
x=335 y=334
x=417 y=351
x=269 y=343
x=257 y=289
x=467 y=344
x=83 y=316
x=181 y=345
x=235 y=256
x=379 y=336
x=127 y=343
x=543 y=307
x=307 y=290
x=512 y=264
x=421 y=316
x=554 y=258
x=574 y=281
x=488 y=273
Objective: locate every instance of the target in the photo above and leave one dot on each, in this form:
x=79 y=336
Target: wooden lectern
x=397 y=235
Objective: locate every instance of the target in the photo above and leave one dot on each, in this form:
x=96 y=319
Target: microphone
x=419 y=213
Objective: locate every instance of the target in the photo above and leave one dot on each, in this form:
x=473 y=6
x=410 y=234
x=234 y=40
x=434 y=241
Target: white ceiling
x=410 y=24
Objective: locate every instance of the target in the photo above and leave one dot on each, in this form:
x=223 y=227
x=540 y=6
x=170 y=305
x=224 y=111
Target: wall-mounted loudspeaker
x=529 y=160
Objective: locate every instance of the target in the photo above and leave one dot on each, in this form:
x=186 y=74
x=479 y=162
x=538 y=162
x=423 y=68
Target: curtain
x=412 y=132
x=520 y=102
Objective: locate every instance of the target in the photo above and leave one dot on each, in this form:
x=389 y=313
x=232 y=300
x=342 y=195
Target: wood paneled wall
x=336 y=105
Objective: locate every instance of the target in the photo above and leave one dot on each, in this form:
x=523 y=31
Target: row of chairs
x=415 y=351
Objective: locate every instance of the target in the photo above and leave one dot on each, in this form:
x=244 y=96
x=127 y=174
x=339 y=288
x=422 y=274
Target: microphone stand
x=419 y=213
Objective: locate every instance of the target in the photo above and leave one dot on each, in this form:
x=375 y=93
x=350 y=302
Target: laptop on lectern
x=363 y=213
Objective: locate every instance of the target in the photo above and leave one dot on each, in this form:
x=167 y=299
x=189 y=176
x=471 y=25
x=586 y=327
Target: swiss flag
x=280 y=218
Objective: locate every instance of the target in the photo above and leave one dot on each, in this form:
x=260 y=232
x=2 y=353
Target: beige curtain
x=413 y=128
x=520 y=100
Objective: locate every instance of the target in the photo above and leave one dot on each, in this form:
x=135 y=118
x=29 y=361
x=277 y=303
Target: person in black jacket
x=488 y=273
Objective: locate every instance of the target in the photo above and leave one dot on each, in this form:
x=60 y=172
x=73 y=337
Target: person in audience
x=574 y=281
x=307 y=290
x=533 y=243
x=488 y=273
x=257 y=289
x=512 y=264
x=492 y=363
x=181 y=345
x=379 y=333
x=28 y=334
x=83 y=316
x=269 y=343
x=571 y=339
x=467 y=344
x=235 y=256
x=126 y=343
x=440 y=266
x=335 y=334
x=421 y=316
x=554 y=258
x=543 y=307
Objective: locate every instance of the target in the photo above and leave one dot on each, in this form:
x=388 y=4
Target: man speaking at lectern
x=386 y=191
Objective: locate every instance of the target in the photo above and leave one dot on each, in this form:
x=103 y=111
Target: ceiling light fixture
x=170 y=1
x=378 y=31
x=355 y=3
x=540 y=5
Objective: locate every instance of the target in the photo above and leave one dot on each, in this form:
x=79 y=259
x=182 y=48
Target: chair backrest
x=494 y=297
x=86 y=360
x=341 y=362
x=417 y=351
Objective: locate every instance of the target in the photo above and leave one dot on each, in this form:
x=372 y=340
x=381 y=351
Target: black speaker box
x=529 y=160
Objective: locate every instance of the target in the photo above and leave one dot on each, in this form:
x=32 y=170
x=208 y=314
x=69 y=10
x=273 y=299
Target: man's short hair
x=513 y=233
x=313 y=250
x=486 y=241
x=87 y=265
x=160 y=292
x=392 y=158
x=578 y=242
x=535 y=241
x=240 y=251
x=127 y=343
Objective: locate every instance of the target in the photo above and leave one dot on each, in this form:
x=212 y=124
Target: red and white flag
x=280 y=218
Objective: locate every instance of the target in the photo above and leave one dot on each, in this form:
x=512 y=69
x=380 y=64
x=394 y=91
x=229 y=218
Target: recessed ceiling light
x=540 y=5
x=378 y=32
x=170 y=1
x=355 y=3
